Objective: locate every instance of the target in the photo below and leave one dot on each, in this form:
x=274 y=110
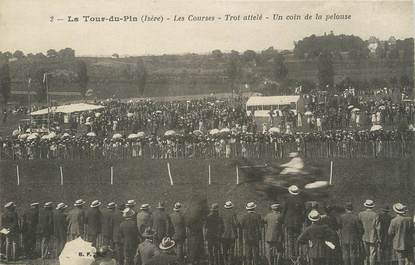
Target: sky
x=25 y=25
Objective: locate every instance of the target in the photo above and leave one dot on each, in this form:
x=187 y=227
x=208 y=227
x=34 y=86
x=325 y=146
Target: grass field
x=147 y=181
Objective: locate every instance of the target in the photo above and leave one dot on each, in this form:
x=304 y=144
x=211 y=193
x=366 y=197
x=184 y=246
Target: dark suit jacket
x=30 y=221
x=46 y=222
x=179 y=226
x=315 y=236
x=117 y=220
x=93 y=221
x=369 y=219
x=382 y=227
x=351 y=228
x=273 y=232
x=251 y=226
x=401 y=230
x=76 y=221
x=161 y=223
x=230 y=224
x=59 y=224
x=144 y=220
x=129 y=234
x=10 y=220
x=213 y=226
x=107 y=222
x=294 y=212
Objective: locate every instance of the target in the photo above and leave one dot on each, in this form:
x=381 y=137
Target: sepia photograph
x=241 y=132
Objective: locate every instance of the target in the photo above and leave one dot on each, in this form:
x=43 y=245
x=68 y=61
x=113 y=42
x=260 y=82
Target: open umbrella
x=274 y=130
x=129 y=114
x=355 y=109
x=45 y=137
x=77 y=252
x=170 y=133
x=91 y=134
x=51 y=135
x=308 y=113
x=97 y=114
x=32 y=136
x=23 y=136
x=117 y=136
x=225 y=130
x=376 y=128
x=132 y=136
x=140 y=134
x=214 y=131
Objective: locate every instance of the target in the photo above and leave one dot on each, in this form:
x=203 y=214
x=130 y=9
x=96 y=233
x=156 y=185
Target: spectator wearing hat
x=214 y=230
x=118 y=244
x=10 y=221
x=293 y=216
x=401 y=231
x=178 y=230
x=351 y=231
x=144 y=218
x=146 y=249
x=319 y=239
x=29 y=225
x=107 y=223
x=128 y=236
x=251 y=230
x=230 y=232
x=273 y=235
x=45 y=228
x=167 y=255
x=131 y=204
x=385 y=242
x=161 y=223
x=76 y=220
x=59 y=227
x=369 y=218
x=93 y=222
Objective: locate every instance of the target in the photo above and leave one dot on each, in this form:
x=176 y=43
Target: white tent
x=71 y=108
x=273 y=100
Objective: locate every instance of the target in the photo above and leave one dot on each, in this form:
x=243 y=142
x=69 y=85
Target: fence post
x=112 y=175
x=61 y=170
x=18 y=175
x=210 y=178
x=237 y=175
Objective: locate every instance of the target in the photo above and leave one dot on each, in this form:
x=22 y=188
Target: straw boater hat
x=314 y=216
x=228 y=205
x=294 y=190
x=177 y=206
x=111 y=205
x=167 y=243
x=399 y=208
x=148 y=233
x=145 y=206
x=47 y=205
x=160 y=205
x=250 y=206
x=275 y=206
x=79 y=202
x=130 y=203
x=95 y=204
x=9 y=204
x=33 y=204
x=61 y=206
x=127 y=212
x=369 y=204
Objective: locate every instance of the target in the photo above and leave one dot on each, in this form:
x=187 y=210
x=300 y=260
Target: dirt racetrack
x=147 y=181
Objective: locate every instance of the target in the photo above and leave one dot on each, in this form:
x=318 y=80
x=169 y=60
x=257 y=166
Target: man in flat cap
x=46 y=228
x=273 y=235
x=401 y=231
x=351 y=230
x=76 y=220
x=93 y=222
x=29 y=228
x=214 y=230
x=369 y=218
x=161 y=223
x=178 y=230
x=60 y=227
x=10 y=221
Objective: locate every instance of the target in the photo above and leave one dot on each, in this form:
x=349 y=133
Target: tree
x=51 y=53
x=115 y=55
x=40 y=56
x=140 y=77
x=82 y=77
x=249 y=56
x=217 y=53
x=8 y=55
x=279 y=68
x=233 y=69
x=18 y=54
x=67 y=53
x=325 y=69
x=5 y=81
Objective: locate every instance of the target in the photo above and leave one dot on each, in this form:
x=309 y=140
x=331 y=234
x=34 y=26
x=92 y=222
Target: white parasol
x=117 y=136
x=97 y=114
x=132 y=136
x=23 y=136
x=214 y=131
x=140 y=134
x=274 y=130
x=355 y=109
x=77 y=252
x=376 y=128
x=170 y=133
x=91 y=134
x=129 y=114
x=308 y=113
x=225 y=130
x=32 y=136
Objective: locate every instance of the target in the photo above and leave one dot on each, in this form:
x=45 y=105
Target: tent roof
x=273 y=100
x=78 y=107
